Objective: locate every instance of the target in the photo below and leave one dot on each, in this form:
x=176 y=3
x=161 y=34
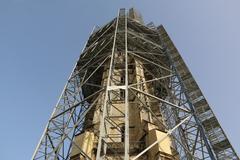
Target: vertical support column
x=102 y=120
x=126 y=143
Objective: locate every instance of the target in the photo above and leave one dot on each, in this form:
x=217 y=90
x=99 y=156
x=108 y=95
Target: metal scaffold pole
x=126 y=96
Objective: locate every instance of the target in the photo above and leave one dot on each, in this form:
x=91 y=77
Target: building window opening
x=122 y=80
x=122 y=94
x=122 y=128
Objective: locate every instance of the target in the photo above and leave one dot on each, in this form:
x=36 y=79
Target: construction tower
x=131 y=96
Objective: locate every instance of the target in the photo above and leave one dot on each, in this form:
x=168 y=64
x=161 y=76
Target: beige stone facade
x=143 y=128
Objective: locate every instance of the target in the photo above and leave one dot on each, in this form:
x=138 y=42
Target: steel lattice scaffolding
x=131 y=96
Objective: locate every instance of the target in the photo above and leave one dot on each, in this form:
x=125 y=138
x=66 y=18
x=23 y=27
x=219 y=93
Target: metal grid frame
x=182 y=119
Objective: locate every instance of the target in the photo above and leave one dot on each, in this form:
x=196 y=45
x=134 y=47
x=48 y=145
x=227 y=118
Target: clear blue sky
x=40 y=40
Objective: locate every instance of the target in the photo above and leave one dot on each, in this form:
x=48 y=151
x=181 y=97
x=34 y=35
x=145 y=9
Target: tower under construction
x=130 y=96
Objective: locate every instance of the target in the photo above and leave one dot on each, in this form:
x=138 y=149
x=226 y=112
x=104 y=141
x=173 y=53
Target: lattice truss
x=182 y=111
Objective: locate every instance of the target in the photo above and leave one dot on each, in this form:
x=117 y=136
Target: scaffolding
x=131 y=96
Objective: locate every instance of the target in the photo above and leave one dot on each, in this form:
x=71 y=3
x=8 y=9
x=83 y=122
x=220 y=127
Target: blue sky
x=40 y=40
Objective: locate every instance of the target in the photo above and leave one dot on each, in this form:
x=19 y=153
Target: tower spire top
x=134 y=14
